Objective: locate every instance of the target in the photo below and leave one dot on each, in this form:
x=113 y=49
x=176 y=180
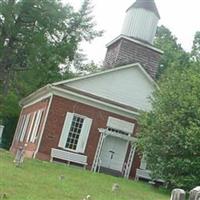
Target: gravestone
x=177 y=194
x=197 y=196
x=88 y=197
x=61 y=177
x=3 y=196
x=19 y=158
x=115 y=187
x=194 y=193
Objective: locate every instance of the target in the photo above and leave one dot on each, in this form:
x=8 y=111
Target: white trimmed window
x=35 y=119
x=31 y=126
x=20 y=126
x=75 y=132
x=24 y=128
x=36 y=126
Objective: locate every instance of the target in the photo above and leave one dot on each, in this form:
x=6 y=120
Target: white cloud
x=181 y=17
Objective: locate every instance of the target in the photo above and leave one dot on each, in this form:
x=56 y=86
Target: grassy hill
x=38 y=180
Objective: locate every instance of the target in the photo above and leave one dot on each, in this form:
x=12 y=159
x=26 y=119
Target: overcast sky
x=180 y=16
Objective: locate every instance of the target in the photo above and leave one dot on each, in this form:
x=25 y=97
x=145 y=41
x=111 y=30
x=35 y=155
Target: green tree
x=39 y=36
x=83 y=66
x=174 y=55
x=38 y=41
x=170 y=133
x=195 y=53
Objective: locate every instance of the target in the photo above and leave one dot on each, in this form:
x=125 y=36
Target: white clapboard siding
x=84 y=135
x=141 y=24
x=66 y=129
x=129 y=86
x=24 y=129
x=31 y=127
x=36 y=126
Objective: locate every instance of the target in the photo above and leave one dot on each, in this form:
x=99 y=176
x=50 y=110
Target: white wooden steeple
x=141 y=21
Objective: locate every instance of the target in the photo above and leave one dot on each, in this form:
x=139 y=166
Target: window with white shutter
x=36 y=126
x=75 y=132
x=20 y=127
x=65 y=130
x=84 y=135
x=24 y=129
x=32 y=120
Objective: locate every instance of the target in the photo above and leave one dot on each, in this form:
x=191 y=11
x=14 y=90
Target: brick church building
x=92 y=120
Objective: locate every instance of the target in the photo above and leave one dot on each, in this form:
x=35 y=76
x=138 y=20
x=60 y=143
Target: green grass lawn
x=38 y=180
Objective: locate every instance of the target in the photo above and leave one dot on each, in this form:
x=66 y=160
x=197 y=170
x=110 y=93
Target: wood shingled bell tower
x=135 y=43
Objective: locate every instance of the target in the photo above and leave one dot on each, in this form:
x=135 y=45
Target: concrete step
x=110 y=172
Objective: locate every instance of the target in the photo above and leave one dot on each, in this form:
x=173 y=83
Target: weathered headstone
x=88 y=197
x=3 y=196
x=197 y=196
x=19 y=158
x=194 y=192
x=115 y=187
x=178 y=194
x=61 y=177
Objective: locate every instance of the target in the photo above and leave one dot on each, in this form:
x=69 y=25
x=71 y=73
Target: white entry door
x=113 y=153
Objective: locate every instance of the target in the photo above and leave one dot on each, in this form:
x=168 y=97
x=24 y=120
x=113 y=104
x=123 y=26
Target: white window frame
x=24 y=129
x=18 y=127
x=36 y=126
x=83 y=137
x=21 y=125
x=39 y=125
x=31 y=127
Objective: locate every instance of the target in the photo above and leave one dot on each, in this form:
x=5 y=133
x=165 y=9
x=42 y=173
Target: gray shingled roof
x=146 y=4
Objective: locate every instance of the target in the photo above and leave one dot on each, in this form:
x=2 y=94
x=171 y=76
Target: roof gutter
x=38 y=93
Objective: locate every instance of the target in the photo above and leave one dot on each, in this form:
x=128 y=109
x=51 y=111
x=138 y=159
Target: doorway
x=113 y=153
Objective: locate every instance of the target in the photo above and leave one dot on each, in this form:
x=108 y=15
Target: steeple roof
x=147 y=5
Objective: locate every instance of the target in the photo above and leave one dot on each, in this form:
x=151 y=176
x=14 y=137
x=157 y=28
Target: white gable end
x=129 y=86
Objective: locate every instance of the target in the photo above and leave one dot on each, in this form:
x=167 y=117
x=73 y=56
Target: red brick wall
x=135 y=165
x=31 y=147
x=55 y=121
x=124 y=52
